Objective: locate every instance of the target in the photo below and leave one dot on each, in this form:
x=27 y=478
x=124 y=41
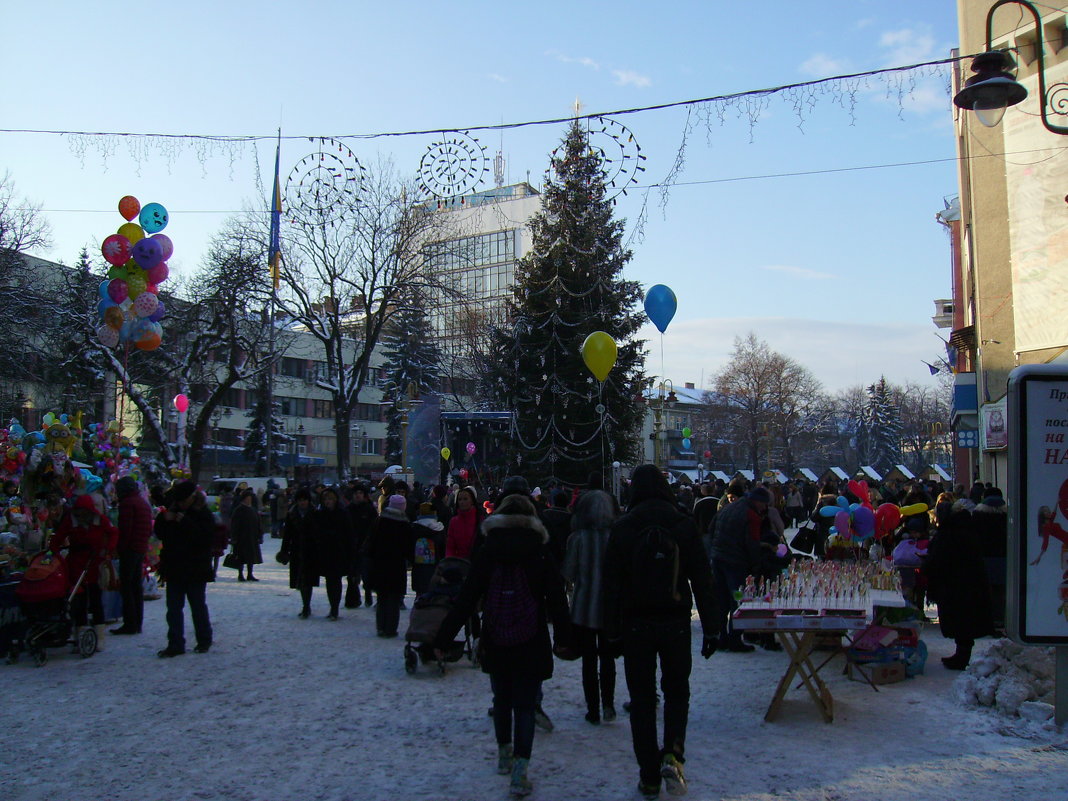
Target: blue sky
x=837 y=269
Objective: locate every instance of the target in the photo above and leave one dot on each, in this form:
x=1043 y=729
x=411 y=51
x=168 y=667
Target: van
x=258 y=483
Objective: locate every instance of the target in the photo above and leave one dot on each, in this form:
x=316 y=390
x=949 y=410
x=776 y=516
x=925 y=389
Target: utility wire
x=504 y=126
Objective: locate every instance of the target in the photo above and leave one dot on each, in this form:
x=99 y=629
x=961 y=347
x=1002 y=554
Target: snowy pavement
x=283 y=708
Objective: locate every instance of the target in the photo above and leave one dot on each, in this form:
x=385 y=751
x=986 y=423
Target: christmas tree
x=413 y=358
x=569 y=285
x=883 y=427
x=255 y=449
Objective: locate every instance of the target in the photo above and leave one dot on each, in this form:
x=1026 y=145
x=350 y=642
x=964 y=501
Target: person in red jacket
x=135 y=527
x=90 y=539
x=463 y=528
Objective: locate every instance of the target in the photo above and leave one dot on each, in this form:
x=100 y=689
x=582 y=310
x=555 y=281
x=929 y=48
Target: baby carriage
x=46 y=603
x=428 y=613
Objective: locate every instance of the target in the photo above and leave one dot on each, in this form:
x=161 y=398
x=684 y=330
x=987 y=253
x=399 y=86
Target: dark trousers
x=598 y=670
x=728 y=578
x=178 y=592
x=352 y=585
x=132 y=589
x=387 y=613
x=514 y=700
x=90 y=601
x=644 y=640
x=333 y=592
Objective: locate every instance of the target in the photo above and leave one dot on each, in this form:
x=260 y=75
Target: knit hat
x=760 y=495
x=515 y=485
x=182 y=490
x=84 y=503
x=398 y=502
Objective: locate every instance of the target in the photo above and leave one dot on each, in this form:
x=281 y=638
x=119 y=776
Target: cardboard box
x=880 y=672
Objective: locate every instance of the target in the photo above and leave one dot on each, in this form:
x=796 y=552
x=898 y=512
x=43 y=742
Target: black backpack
x=656 y=568
x=510 y=610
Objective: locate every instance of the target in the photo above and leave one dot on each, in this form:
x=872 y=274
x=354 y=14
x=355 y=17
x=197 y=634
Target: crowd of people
x=614 y=577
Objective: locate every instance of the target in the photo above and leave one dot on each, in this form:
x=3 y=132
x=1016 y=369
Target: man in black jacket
x=652 y=542
x=735 y=553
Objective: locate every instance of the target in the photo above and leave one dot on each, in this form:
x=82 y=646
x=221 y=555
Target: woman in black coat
x=246 y=534
x=333 y=535
x=389 y=546
x=298 y=549
x=957 y=582
x=514 y=539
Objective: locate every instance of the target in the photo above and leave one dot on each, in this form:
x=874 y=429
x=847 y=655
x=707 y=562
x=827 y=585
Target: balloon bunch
x=859 y=522
x=129 y=308
x=111 y=452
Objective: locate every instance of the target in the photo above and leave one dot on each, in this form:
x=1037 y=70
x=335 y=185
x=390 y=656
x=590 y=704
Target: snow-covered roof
x=719 y=474
x=777 y=476
x=904 y=471
x=804 y=472
x=838 y=473
x=938 y=469
x=683 y=393
x=870 y=472
x=746 y=474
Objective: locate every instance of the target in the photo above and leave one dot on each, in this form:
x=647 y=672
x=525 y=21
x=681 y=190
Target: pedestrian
x=246 y=534
x=362 y=515
x=428 y=547
x=298 y=549
x=584 y=569
x=333 y=534
x=557 y=520
x=135 y=528
x=521 y=589
x=184 y=528
x=389 y=547
x=463 y=527
x=90 y=539
x=736 y=553
x=655 y=568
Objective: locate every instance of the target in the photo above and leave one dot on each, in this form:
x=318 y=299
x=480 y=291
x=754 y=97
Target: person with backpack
x=428 y=547
x=655 y=568
x=517 y=580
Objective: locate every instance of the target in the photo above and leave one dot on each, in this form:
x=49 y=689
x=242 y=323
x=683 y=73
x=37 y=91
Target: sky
x=836 y=268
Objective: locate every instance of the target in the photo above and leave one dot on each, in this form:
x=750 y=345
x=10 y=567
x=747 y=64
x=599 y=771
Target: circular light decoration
x=325 y=184
x=620 y=154
x=454 y=166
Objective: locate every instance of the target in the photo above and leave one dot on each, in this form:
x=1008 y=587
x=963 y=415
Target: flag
x=934 y=370
x=274 y=249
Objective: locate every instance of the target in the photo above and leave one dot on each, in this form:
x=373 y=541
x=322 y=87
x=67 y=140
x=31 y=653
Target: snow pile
x=1016 y=680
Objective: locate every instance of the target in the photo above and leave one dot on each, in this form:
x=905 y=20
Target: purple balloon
x=165 y=245
x=157 y=315
x=864 y=522
x=841 y=522
x=147 y=253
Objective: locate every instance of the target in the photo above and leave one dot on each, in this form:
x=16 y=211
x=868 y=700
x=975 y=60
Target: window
x=367 y=411
x=293 y=407
x=322 y=444
x=323 y=409
x=295 y=368
x=370 y=447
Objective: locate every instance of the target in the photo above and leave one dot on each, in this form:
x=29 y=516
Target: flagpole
x=273 y=259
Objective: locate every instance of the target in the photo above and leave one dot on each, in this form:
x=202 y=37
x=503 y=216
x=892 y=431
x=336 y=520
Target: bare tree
x=924 y=420
x=345 y=273
x=748 y=386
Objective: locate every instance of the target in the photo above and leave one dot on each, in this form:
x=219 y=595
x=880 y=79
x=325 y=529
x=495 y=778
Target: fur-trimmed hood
x=510 y=523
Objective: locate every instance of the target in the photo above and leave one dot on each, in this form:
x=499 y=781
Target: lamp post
x=665 y=396
x=994 y=88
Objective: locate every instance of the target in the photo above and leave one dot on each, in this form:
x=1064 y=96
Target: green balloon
x=686 y=432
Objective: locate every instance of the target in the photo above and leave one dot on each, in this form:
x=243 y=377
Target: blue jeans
x=177 y=594
x=515 y=696
x=644 y=640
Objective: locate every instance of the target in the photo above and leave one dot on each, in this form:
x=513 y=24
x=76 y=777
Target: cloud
x=800 y=272
x=907 y=46
x=584 y=61
x=822 y=66
x=840 y=354
x=631 y=78
x=498 y=78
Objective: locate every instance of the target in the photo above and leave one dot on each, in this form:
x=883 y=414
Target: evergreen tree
x=570 y=285
x=883 y=427
x=413 y=357
x=255 y=449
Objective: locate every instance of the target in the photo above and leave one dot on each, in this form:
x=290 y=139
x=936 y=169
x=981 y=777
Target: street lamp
x=993 y=88
x=665 y=396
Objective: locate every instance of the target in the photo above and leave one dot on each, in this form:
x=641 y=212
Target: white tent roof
x=720 y=475
x=870 y=472
x=807 y=473
x=938 y=469
x=746 y=474
x=839 y=473
x=908 y=474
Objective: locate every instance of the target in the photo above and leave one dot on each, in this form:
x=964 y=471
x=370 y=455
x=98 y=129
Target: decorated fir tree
x=412 y=358
x=883 y=427
x=567 y=426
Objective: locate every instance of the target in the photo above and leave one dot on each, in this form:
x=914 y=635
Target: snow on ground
x=284 y=708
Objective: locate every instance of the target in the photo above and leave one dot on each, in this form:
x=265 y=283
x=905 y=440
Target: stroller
x=428 y=613
x=46 y=604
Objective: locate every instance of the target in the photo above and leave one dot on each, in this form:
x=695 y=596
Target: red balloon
x=887 y=517
x=129 y=207
x=1062 y=498
x=116 y=249
x=159 y=273
x=708 y=454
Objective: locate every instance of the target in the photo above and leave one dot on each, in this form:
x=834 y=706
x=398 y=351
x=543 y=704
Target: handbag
x=804 y=540
x=231 y=561
x=282 y=557
x=108 y=576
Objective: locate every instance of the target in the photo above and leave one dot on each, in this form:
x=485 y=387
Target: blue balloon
x=686 y=443
x=660 y=305
x=843 y=502
x=103 y=290
x=104 y=305
x=157 y=315
x=829 y=511
x=153 y=218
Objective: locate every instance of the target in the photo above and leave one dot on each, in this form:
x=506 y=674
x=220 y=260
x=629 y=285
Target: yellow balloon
x=599 y=352
x=135 y=285
x=445 y=454
x=914 y=509
x=132 y=231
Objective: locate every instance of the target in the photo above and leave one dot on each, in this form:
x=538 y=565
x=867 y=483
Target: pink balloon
x=116 y=249
x=841 y=522
x=117 y=290
x=165 y=244
x=181 y=402
x=159 y=273
x=471 y=448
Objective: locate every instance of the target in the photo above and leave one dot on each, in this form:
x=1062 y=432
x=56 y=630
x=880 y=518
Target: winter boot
x=99 y=637
x=504 y=759
x=521 y=786
x=541 y=720
x=671 y=773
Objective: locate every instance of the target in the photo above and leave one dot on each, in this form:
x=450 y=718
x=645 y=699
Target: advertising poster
x=994 y=426
x=1039 y=505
